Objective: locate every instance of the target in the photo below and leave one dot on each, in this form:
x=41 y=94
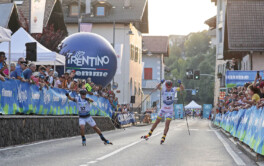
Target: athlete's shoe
x=162 y=140
x=108 y=142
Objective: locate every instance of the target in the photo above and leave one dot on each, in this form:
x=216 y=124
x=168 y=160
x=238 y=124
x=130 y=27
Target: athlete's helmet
x=168 y=84
x=83 y=92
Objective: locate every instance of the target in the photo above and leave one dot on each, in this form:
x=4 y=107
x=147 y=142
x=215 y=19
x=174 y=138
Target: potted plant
x=219 y=75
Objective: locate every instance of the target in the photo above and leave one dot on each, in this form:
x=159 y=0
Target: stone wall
x=16 y=130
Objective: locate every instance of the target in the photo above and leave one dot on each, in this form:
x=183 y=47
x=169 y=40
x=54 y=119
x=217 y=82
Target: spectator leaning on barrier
x=42 y=70
x=58 y=83
x=35 y=78
x=28 y=72
x=42 y=82
x=3 y=66
x=74 y=85
x=18 y=73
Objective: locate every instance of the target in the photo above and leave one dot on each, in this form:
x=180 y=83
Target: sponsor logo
x=80 y=60
x=7 y=93
x=35 y=96
x=21 y=95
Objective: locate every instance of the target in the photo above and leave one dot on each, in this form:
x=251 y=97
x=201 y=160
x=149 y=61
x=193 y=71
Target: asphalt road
x=205 y=146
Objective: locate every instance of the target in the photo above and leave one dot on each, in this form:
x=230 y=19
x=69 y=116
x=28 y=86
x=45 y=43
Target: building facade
x=155 y=49
x=122 y=24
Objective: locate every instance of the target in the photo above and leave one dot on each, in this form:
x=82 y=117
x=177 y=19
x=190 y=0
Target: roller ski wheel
x=145 y=137
x=84 y=143
x=108 y=143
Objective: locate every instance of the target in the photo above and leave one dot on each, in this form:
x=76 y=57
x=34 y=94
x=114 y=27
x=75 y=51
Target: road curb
x=244 y=148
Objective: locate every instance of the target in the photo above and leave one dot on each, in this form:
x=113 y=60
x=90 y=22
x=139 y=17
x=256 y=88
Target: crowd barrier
x=246 y=124
x=21 y=97
x=127 y=118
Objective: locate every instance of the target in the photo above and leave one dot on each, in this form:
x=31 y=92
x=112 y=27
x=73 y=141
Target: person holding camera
x=83 y=106
x=168 y=97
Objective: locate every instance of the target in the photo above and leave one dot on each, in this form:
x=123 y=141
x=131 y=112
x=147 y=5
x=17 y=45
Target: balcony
x=149 y=84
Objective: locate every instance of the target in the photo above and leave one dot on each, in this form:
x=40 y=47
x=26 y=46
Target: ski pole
x=185 y=114
x=113 y=120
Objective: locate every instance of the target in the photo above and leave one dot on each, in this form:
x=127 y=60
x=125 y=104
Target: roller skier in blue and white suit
x=83 y=106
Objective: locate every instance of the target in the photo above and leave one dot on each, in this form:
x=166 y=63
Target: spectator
x=42 y=82
x=48 y=68
x=12 y=67
x=50 y=77
x=74 y=85
x=65 y=82
x=72 y=74
x=3 y=66
x=253 y=91
x=19 y=62
x=35 y=78
x=42 y=70
x=58 y=83
x=234 y=64
x=18 y=73
x=28 y=72
x=83 y=84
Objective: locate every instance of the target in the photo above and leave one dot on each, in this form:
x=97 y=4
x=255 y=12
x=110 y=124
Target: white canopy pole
x=9 y=59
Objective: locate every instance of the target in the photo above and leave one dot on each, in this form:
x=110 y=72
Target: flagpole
x=29 y=22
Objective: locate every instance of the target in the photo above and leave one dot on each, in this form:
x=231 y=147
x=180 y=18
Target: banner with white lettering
x=239 y=78
x=18 y=97
x=37 y=15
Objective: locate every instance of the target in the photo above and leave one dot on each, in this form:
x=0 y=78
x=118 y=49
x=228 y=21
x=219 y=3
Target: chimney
x=127 y=3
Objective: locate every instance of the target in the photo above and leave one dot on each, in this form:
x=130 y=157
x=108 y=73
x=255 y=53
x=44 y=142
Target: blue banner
x=207 y=108
x=20 y=97
x=247 y=125
x=239 y=78
x=178 y=111
x=127 y=118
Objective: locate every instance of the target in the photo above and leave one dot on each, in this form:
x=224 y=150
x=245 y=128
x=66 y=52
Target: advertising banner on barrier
x=241 y=131
x=127 y=118
x=20 y=97
x=178 y=111
x=236 y=122
x=207 y=108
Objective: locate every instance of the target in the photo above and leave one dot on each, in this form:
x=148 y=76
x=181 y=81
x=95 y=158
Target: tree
x=49 y=38
x=199 y=56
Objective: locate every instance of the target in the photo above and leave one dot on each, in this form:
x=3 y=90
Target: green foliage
x=197 y=55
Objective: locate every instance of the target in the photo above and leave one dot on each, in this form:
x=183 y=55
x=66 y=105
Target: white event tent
x=193 y=105
x=18 y=49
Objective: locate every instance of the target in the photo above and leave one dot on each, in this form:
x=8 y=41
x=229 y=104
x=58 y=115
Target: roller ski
x=162 y=140
x=108 y=142
x=84 y=142
x=145 y=137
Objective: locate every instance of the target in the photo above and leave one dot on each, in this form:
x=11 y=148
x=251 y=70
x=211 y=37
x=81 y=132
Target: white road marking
x=92 y=162
x=43 y=142
x=236 y=158
x=121 y=149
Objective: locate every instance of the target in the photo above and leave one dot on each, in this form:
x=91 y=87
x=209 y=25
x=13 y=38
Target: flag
x=119 y=54
x=86 y=27
x=5 y=35
x=37 y=10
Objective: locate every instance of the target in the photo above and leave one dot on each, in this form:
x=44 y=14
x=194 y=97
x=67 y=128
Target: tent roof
x=18 y=49
x=193 y=104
